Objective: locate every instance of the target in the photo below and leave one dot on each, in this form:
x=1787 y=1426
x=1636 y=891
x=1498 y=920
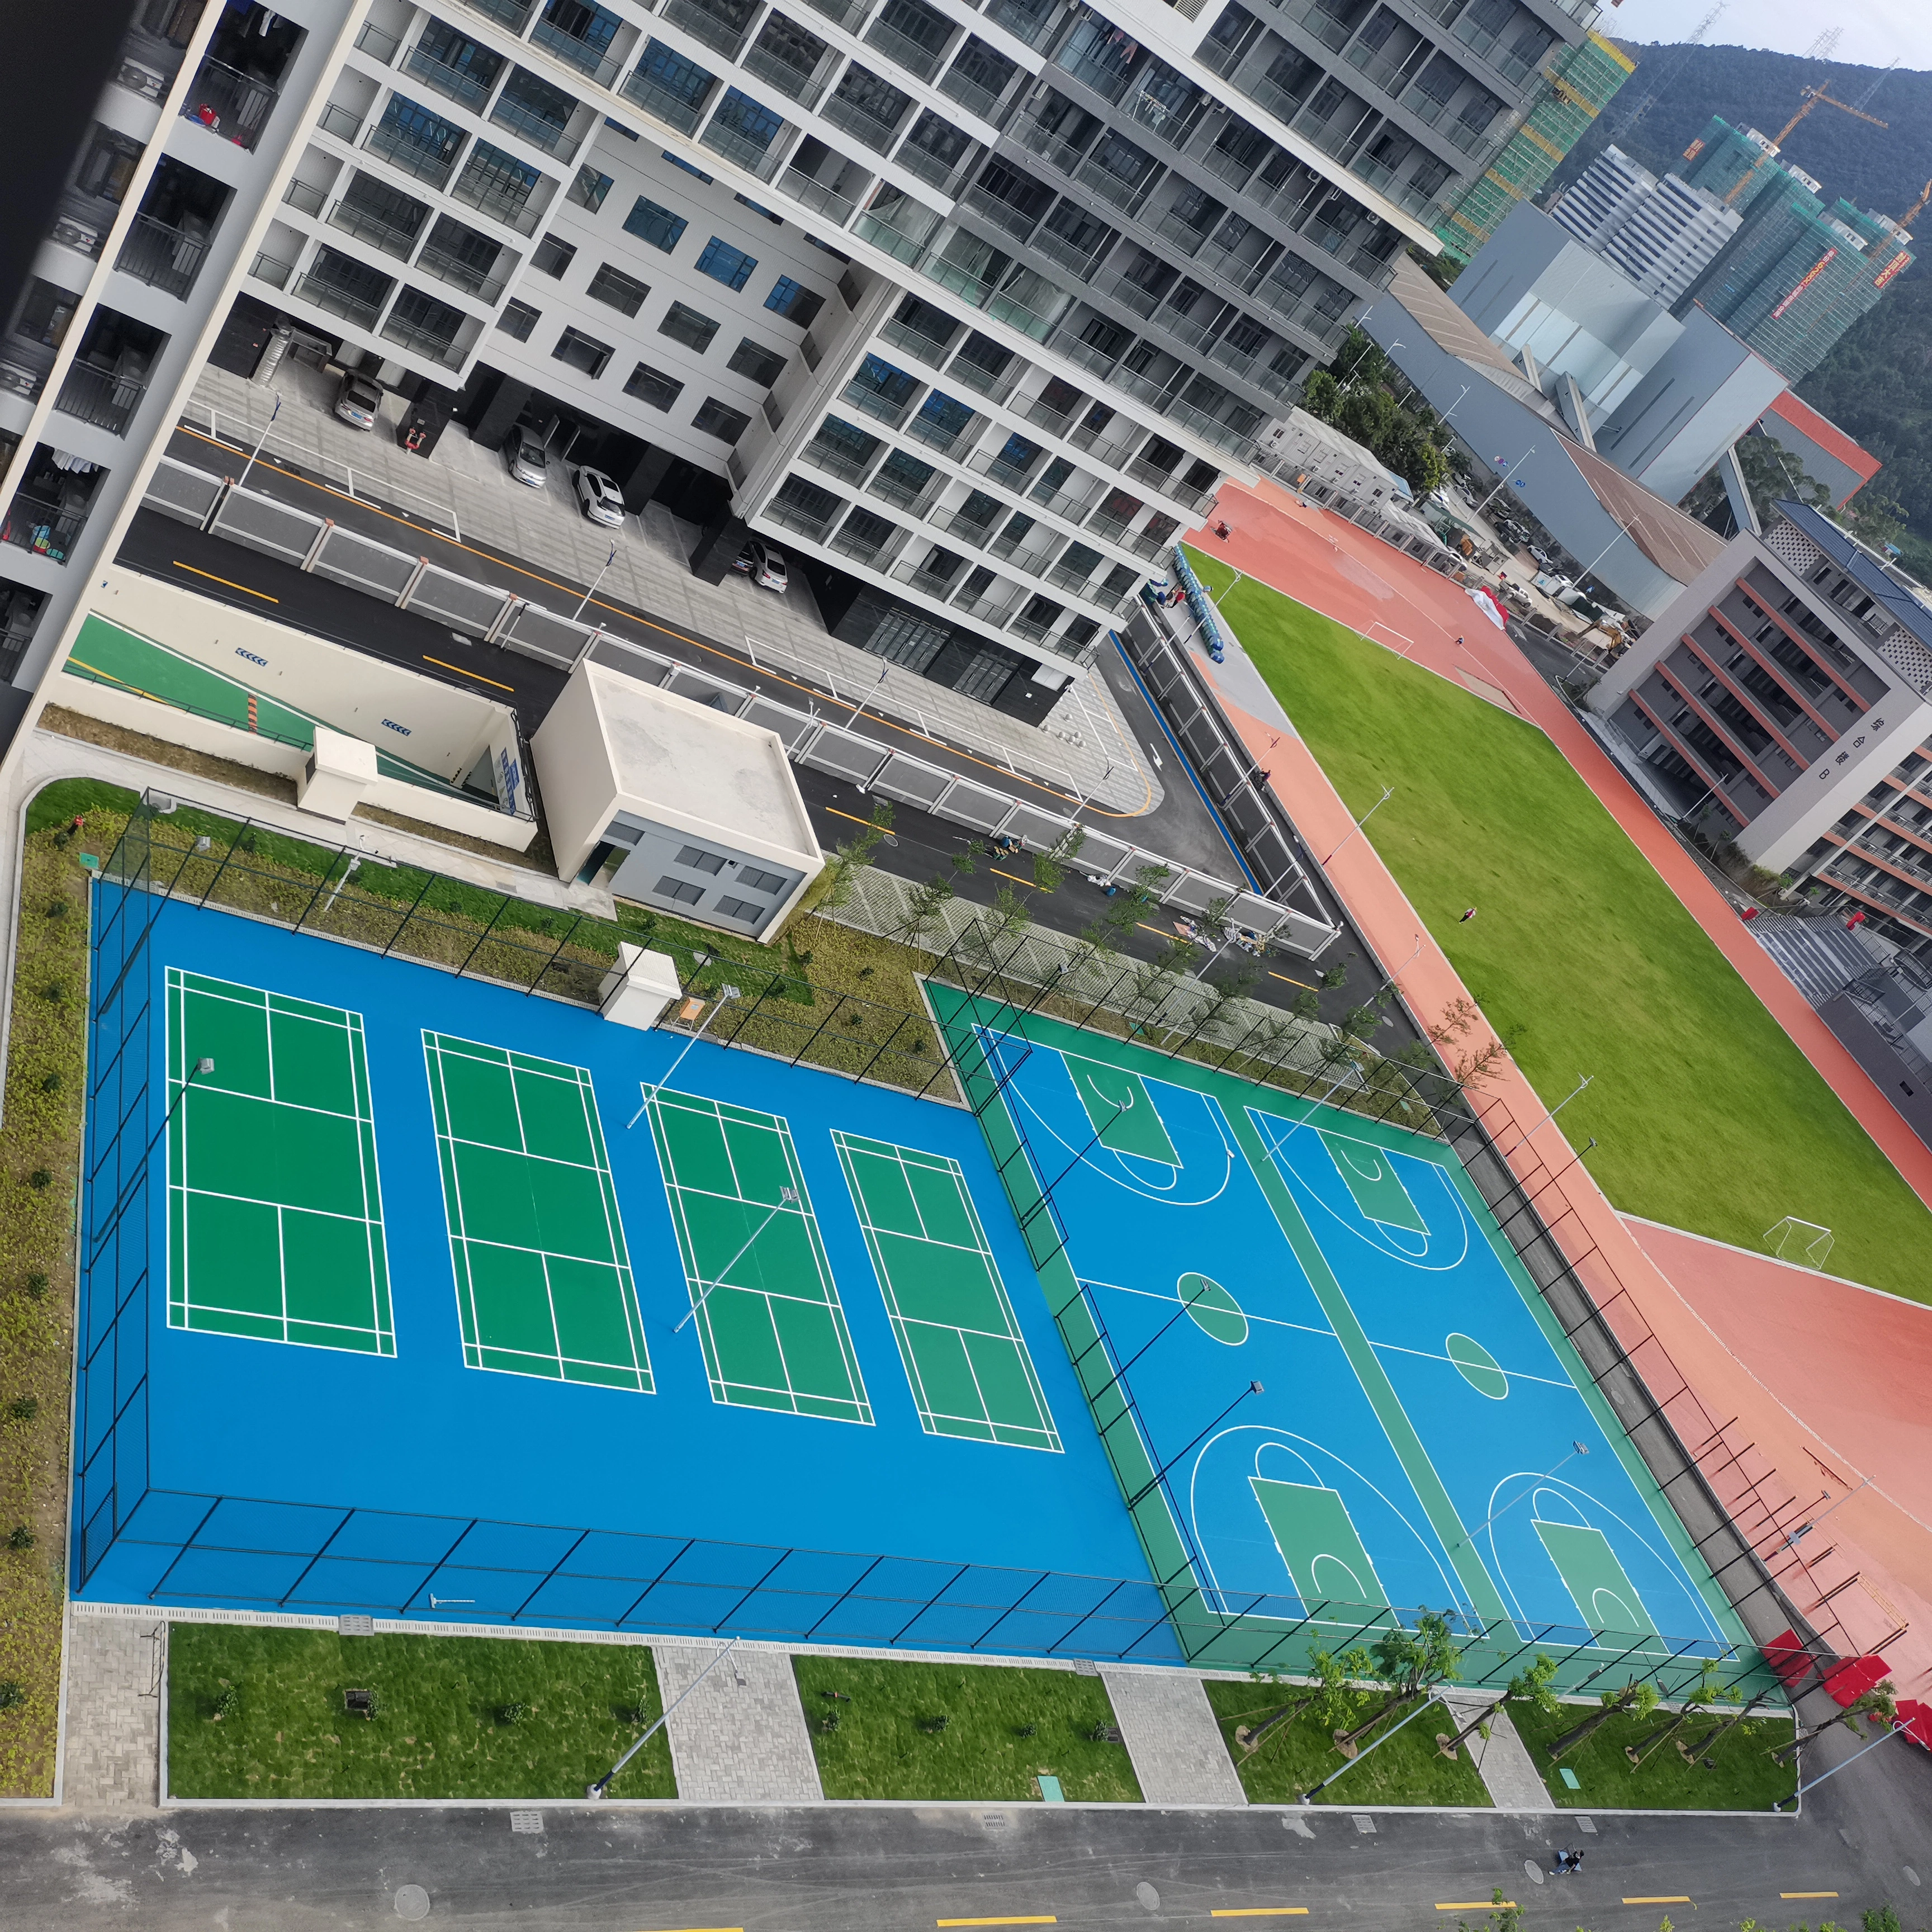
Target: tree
x=1410 y=1664
x=1341 y=1696
x=1638 y=1695
x=1879 y=1704
x=1049 y=867
x=1704 y=1692
x=1530 y=1686
x=1772 y=474
x=1327 y=1670
x=923 y=906
x=851 y=857
x=1879 y=520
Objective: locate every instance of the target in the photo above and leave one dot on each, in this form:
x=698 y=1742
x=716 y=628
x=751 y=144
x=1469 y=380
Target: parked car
x=764 y=565
x=524 y=453
x=599 y=498
x=358 y=400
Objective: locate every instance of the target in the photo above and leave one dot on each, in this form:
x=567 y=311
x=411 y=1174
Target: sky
x=1876 y=30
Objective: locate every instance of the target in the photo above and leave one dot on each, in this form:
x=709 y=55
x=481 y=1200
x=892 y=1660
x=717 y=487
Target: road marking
x=1048 y=1921
x=1260 y=1911
x=1290 y=978
x=1031 y=885
x=213 y=579
x=1672 y=1898
x=1479 y=1905
x=837 y=813
x=1807 y=1895
x=461 y=672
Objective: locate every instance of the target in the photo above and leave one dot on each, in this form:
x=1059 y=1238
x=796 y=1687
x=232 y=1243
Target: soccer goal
x=1792 y=1240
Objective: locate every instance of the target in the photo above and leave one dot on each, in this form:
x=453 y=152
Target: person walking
x=1467 y=916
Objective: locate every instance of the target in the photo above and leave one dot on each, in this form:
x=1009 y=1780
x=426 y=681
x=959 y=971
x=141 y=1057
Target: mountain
x=1877 y=384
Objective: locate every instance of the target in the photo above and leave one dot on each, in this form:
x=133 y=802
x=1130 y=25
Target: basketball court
x=1318 y=1367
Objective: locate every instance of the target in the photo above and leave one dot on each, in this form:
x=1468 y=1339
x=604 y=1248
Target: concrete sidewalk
x=467 y=491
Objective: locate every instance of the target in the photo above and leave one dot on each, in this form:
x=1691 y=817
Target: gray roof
x=1902 y=599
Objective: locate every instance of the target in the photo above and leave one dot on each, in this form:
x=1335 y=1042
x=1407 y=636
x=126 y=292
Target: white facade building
x=970 y=310
x=1663 y=234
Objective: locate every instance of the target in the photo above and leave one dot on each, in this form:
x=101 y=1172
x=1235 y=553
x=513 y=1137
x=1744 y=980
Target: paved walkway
x=113 y=1756
x=1085 y=746
x=1769 y=1455
x=1501 y=1758
x=1178 y=1753
x=740 y=1737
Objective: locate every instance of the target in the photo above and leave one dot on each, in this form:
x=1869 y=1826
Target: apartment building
x=970 y=310
x=1662 y=234
x=1786 y=701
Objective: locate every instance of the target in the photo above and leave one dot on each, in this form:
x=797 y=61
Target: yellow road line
x=461 y=672
x=1015 y=877
x=1807 y=1895
x=1047 y=1920
x=1260 y=1911
x=1290 y=978
x=1671 y=1898
x=231 y=584
x=1478 y=1905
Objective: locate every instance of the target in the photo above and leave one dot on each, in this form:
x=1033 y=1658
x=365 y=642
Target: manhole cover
x=1147 y=1896
x=412 y=1902
x=1586 y=1824
x=527 y=1821
x=1533 y=1870
x=1085 y=1666
x=1364 y=1823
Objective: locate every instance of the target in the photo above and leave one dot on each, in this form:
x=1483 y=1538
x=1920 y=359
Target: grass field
x=884 y=1746
x=438 y=1731
x=1706 y=1116
x=1409 y=1770
x=1741 y=1775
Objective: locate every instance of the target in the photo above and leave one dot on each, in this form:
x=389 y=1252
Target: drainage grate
x=527 y=1821
x=1586 y=1824
x=1364 y=1823
x=1085 y=1666
x=356 y=1626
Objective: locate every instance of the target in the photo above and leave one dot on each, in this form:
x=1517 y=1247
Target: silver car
x=599 y=498
x=524 y=453
x=358 y=400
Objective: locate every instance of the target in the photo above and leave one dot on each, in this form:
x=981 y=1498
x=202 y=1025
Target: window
x=724 y=263
x=681 y=890
x=763 y=366
x=721 y=420
x=700 y=860
x=590 y=188
x=747 y=910
x=518 y=320
x=794 y=302
x=679 y=161
x=618 y=127
x=653 y=386
x=583 y=352
x=651 y=222
x=758 y=208
x=753 y=881
x=552 y=256
x=623 y=293
x=687 y=326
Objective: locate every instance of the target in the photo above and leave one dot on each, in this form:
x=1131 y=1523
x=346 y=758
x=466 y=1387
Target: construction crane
x=1814 y=96
x=1917 y=208
x=1639 y=109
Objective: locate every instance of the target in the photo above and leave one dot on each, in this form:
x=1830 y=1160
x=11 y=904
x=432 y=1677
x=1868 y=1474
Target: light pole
x=260 y=440
x=651 y=1089
x=788 y=1197
x=601 y=1788
x=1623 y=530
x=595 y=581
x=1575 y=1449
x=1147 y=1489
x=1520 y=460
x=1836 y=1768
x=1388 y=792
x=200 y=1066
x=1550 y=1113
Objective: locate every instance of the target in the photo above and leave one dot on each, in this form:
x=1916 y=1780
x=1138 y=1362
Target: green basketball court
x=964 y=1357
x=1121 y=1109
x=274 y=1211
x=768 y=1313
x=1604 y=1594
x=1369 y=1176
x=1317 y=1540
x=543 y=1279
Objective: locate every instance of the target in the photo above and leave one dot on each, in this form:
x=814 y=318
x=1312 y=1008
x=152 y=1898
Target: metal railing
x=32 y=524
x=163 y=257
x=552 y=137
x=357 y=221
x=440 y=349
x=398 y=145
x=238 y=104
x=795 y=83
x=459 y=273
x=456 y=83
x=304 y=197
x=480 y=188
x=339 y=300
x=862 y=123
x=921 y=62
x=270 y=269
x=927 y=348
x=714 y=30
x=677 y=110
x=98 y=397
x=592 y=61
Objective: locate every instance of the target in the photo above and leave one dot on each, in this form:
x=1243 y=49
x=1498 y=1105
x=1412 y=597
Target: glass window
x=681 y=890
x=759 y=207
x=724 y=263
x=669 y=69
x=679 y=161
x=589 y=188
x=518 y=320
x=687 y=325
x=651 y=222
x=653 y=386
x=552 y=256
x=583 y=352
x=763 y=366
x=721 y=420
x=751 y=120
x=753 y=881
x=794 y=302
x=623 y=293
x=700 y=860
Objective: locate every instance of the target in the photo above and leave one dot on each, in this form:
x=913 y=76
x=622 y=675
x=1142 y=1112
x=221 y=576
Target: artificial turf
x=1002 y=1728
x=1741 y=1774
x=1706 y=1114
x=443 y=1726
x=1299 y=1754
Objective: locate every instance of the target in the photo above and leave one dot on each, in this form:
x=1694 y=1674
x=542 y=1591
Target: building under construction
x=1577 y=85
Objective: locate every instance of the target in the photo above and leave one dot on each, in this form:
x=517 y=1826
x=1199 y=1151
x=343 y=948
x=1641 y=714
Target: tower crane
x=1917 y=208
x=1814 y=96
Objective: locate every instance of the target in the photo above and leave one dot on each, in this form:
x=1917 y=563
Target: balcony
x=795 y=83
x=1024 y=562
x=1158 y=391
x=944 y=176
x=1237 y=443
x=165 y=258
x=470 y=90
x=937 y=436
x=270 y=269
x=1032 y=630
x=305 y=197
x=1080 y=261
x=423 y=343
x=587 y=58
x=1126 y=196
x=877 y=133
x=339 y=300
x=98 y=397
x=510 y=14
x=1034 y=25
x=923 y=63
x=860 y=548
x=341 y=122
x=1317 y=23
x=836 y=208
x=970 y=94
x=399 y=146
x=914 y=499
x=991 y=606
x=840 y=12
x=724 y=27
x=1003 y=215
x=895 y=241
x=1055 y=422
x=760 y=158
x=1226 y=266
x=1275 y=100
x=378 y=234
x=552 y=137
x=995 y=385
x=230 y=103
x=1405 y=194
x=681 y=111
x=458 y=274
x=1109 y=530
x=379 y=47
x=1101 y=362
x=46 y=529
x=1072 y=579
x=483 y=189
x=928 y=349
x=998 y=470
x=957 y=524
x=939 y=586
x=1253 y=368
x=1182 y=234
x=1228 y=167
x=835 y=462
x=1070 y=503
x=863 y=397
x=788 y=516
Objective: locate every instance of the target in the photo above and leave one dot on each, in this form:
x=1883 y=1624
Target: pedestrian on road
x=1467 y=916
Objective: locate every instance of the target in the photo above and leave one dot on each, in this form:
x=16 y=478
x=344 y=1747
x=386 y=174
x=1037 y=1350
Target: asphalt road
x=912 y=1869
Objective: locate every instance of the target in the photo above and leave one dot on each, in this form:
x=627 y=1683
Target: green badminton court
x=963 y=1355
x=543 y=1279
x=766 y=1306
x=274 y=1211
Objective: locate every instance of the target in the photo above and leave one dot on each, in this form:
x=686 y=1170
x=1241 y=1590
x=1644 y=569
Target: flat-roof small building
x=676 y=805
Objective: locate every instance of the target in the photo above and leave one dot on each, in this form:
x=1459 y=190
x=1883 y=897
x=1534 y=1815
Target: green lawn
x=884 y=1746
x=1706 y=1116
x=1295 y=1756
x=1740 y=1776
x=437 y=1732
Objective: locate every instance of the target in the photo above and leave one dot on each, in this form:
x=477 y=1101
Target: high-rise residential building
x=1798 y=274
x=1663 y=234
x=1735 y=164
x=970 y=310
x=1573 y=88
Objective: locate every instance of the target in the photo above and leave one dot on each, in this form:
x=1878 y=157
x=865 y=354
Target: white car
x=764 y=565
x=599 y=498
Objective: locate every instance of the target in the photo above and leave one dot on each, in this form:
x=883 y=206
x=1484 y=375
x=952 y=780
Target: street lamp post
x=651 y=1088
x=1147 y=1488
x=601 y=1788
x=1575 y=1449
x=595 y=581
x=1520 y=460
x=243 y=484
x=1388 y=792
